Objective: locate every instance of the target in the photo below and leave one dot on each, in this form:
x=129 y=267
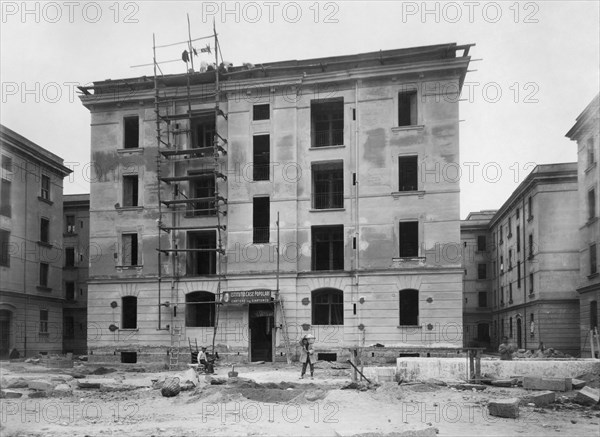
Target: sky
x=535 y=66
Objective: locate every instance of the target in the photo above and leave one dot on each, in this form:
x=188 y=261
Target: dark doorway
x=260 y=316
x=4 y=334
x=483 y=332
x=519 y=333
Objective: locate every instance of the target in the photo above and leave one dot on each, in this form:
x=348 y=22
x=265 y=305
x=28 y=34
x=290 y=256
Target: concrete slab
x=10 y=394
x=555 y=384
x=504 y=382
x=540 y=399
x=504 y=408
x=588 y=396
x=413 y=369
x=40 y=385
x=578 y=383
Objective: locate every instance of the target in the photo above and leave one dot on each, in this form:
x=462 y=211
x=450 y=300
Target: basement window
x=202 y=261
x=327 y=122
x=262 y=156
x=69 y=257
x=328 y=247
x=261 y=112
x=199 y=309
x=130 y=190
x=260 y=220
x=327 y=356
x=327 y=307
x=409 y=307
x=44 y=230
x=203 y=188
x=128 y=357
x=407 y=108
x=407 y=173
x=129 y=312
x=328 y=185
x=409 y=239
x=131 y=129
x=130 y=250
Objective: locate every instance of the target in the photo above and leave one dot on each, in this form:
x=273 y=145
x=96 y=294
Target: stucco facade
x=31 y=293
x=586 y=133
x=367 y=264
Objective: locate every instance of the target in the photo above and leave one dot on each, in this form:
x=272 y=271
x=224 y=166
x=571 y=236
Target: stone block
x=87 y=384
x=578 y=383
x=504 y=408
x=62 y=390
x=588 y=396
x=478 y=387
x=10 y=394
x=16 y=383
x=38 y=394
x=540 y=399
x=504 y=382
x=554 y=384
x=40 y=385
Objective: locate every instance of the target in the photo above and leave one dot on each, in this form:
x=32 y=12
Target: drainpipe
x=25 y=261
x=523 y=251
x=356 y=210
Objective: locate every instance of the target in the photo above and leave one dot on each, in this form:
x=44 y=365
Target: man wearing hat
x=307 y=354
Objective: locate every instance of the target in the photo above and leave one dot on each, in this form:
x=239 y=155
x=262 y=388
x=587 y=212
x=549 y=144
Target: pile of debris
x=543 y=394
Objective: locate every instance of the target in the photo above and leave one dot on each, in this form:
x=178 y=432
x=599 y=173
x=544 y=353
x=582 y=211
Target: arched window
x=327 y=307
x=409 y=307
x=200 y=309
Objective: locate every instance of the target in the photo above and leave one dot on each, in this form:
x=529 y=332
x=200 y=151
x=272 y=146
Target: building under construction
x=241 y=207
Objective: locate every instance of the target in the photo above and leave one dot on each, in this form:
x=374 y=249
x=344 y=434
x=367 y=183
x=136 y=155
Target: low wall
x=412 y=369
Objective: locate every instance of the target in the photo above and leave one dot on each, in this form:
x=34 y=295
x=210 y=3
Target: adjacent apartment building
x=77 y=256
x=521 y=280
x=354 y=155
x=31 y=241
x=586 y=133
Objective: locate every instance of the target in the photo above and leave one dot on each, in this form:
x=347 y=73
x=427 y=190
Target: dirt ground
x=267 y=400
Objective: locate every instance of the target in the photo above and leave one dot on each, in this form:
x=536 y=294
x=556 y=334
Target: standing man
x=307 y=355
x=506 y=349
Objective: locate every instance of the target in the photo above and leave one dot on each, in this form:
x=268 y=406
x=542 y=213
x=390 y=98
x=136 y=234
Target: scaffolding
x=203 y=208
x=194 y=163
